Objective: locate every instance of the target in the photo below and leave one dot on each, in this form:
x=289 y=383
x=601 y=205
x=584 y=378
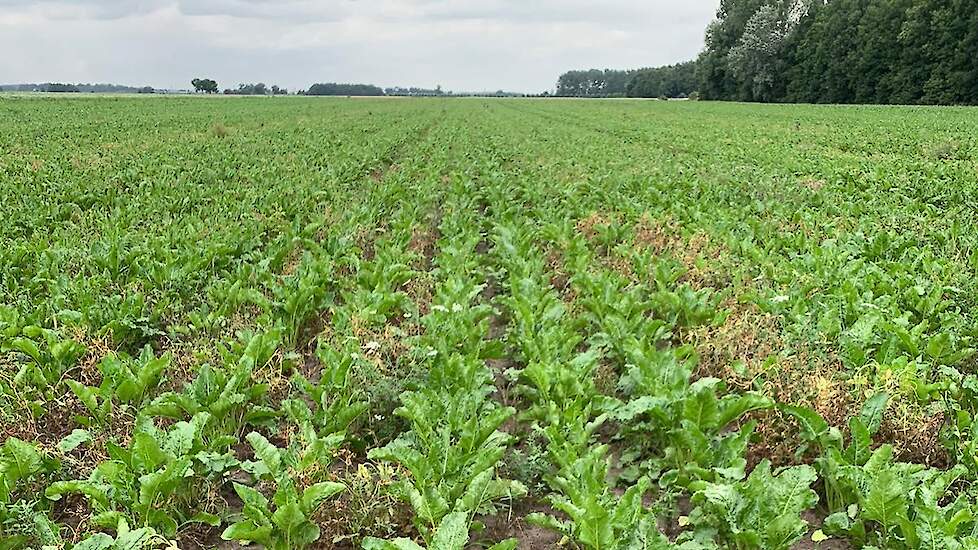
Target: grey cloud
x=623 y=12
x=85 y=9
x=289 y=10
x=462 y=45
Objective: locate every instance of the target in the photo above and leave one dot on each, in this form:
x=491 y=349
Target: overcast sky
x=472 y=45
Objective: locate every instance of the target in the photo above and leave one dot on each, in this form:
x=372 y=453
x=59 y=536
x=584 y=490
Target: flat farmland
x=298 y=322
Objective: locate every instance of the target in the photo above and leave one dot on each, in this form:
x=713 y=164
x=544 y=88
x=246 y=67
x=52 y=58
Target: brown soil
x=814 y=519
x=512 y=523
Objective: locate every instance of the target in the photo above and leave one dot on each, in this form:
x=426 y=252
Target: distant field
x=458 y=323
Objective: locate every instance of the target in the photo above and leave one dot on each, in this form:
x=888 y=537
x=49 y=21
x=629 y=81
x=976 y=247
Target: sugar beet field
x=455 y=324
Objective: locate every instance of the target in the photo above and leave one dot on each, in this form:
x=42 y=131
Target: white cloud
x=463 y=45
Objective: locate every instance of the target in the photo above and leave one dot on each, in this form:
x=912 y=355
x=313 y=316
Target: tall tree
x=756 y=60
x=877 y=51
x=723 y=34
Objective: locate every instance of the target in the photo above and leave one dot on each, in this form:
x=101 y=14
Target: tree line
x=414 y=91
x=677 y=80
x=594 y=83
x=256 y=89
x=63 y=87
x=816 y=51
x=842 y=51
x=333 y=88
x=207 y=85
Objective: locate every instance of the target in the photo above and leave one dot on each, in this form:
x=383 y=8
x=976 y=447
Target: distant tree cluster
x=670 y=81
x=488 y=93
x=594 y=83
x=677 y=80
x=332 y=88
x=842 y=51
x=59 y=88
x=205 y=85
x=414 y=92
x=76 y=88
x=257 y=89
x=105 y=88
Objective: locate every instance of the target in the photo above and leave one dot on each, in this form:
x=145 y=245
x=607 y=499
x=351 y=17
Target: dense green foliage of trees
x=594 y=83
x=842 y=51
x=414 y=92
x=59 y=87
x=677 y=80
x=332 y=88
x=816 y=51
x=66 y=87
x=257 y=89
x=204 y=85
x=671 y=81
